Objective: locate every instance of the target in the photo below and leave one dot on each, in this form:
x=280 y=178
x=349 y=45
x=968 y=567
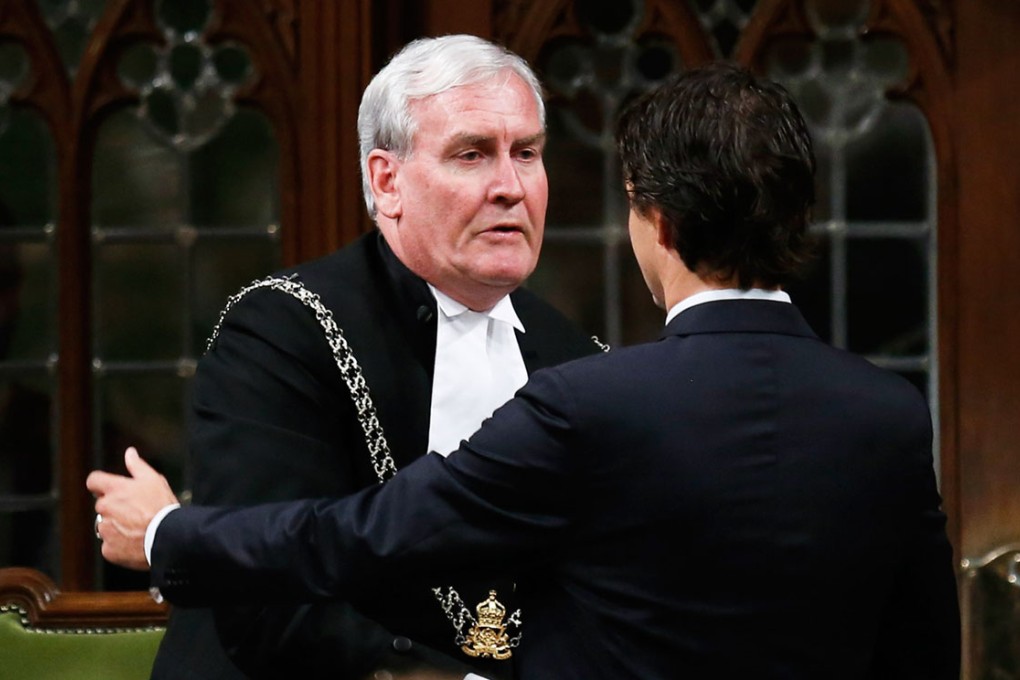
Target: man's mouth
x=506 y=229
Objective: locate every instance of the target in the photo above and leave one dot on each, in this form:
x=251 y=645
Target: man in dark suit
x=737 y=499
x=451 y=135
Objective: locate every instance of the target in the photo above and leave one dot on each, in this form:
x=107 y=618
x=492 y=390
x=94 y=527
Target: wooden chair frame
x=43 y=606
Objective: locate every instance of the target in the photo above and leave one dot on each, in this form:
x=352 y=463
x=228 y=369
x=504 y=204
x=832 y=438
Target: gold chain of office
x=487 y=635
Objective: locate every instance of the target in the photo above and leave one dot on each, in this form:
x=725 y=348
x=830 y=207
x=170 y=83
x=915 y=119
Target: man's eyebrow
x=536 y=139
x=467 y=139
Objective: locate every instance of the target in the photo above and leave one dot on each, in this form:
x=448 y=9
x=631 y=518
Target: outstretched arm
x=271 y=422
x=500 y=502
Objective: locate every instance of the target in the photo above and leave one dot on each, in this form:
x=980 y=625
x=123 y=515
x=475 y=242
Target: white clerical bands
x=95 y=526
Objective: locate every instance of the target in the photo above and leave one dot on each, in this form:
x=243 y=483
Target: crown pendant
x=488 y=637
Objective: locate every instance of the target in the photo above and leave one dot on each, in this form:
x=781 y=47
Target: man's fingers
x=137 y=467
x=100 y=483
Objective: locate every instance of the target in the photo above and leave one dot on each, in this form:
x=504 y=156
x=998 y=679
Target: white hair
x=424 y=68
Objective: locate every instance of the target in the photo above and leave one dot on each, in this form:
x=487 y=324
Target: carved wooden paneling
x=929 y=85
x=310 y=60
x=987 y=140
x=772 y=20
x=525 y=27
x=335 y=64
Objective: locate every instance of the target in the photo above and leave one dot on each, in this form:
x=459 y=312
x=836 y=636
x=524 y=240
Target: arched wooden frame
x=928 y=85
x=542 y=22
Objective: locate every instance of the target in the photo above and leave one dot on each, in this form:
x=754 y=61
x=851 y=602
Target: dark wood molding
x=772 y=20
x=95 y=92
x=335 y=63
x=929 y=85
x=47 y=607
x=527 y=27
x=987 y=371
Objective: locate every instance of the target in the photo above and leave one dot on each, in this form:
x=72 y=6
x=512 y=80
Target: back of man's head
x=726 y=158
x=424 y=68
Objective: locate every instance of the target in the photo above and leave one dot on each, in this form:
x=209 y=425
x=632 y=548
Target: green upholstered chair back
x=46 y=634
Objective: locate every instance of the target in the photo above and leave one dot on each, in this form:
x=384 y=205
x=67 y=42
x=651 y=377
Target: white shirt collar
x=726 y=294
x=501 y=311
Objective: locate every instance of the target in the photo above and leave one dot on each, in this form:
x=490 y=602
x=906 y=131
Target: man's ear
x=664 y=235
x=382 y=180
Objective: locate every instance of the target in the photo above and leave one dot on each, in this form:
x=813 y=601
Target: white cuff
x=472 y=676
x=150 y=531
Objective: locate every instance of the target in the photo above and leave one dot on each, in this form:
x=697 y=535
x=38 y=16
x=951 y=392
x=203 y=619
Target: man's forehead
x=485 y=126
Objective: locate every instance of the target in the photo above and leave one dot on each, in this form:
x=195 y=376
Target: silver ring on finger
x=95 y=526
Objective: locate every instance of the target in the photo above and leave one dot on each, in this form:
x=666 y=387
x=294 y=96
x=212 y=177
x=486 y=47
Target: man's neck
x=684 y=283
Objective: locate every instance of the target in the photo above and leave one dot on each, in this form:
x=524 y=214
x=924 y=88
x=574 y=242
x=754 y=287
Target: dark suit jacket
x=272 y=421
x=736 y=500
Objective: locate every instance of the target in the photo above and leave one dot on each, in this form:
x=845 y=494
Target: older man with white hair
x=325 y=379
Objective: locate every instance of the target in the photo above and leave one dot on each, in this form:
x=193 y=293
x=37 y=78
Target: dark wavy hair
x=726 y=158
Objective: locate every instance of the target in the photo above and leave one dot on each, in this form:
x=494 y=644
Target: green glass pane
x=137 y=180
x=222 y=267
x=54 y=10
x=599 y=16
x=27 y=171
x=137 y=66
x=144 y=410
x=204 y=114
x=656 y=60
x=26 y=444
x=887 y=176
x=159 y=105
x=28 y=329
x=31 y=538
x=13 y=65
x=886 y=59
x=789 y=58
x=233 y=178
x=838 y=58
x=576 y=177
x=812 y=291
x=569 y=276
x=232 y=64
x=887 y=296
x=183 y=16
x=186 y=60
x=140 y=302
x=824 y=209
x=815 y=103
x=562 y=63
x=91 y=8
x=838 y=13
x=71 y=37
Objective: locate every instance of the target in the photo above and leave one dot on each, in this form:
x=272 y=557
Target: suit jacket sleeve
x=270 y=424
x=505 y=500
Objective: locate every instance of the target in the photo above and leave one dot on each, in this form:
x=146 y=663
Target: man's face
x=471 y=198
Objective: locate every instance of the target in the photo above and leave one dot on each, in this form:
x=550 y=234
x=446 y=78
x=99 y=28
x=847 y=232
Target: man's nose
x=506 y=186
